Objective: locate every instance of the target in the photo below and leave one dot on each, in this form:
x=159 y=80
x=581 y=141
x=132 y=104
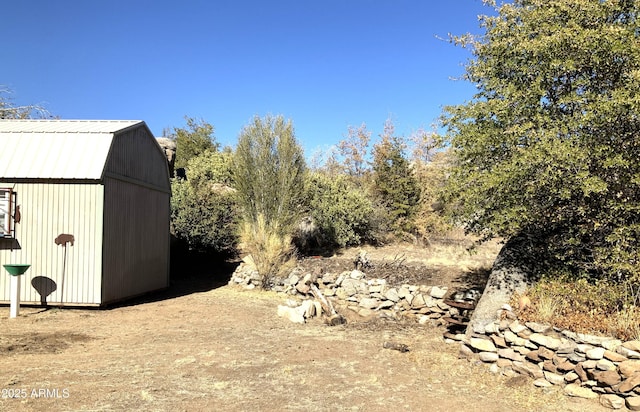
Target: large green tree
x=193 y=140
x=549 y=145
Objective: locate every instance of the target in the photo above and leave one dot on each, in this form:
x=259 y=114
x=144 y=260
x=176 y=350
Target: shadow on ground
x=190 y=272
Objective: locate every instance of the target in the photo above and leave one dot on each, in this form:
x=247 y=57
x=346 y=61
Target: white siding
x=49 y=210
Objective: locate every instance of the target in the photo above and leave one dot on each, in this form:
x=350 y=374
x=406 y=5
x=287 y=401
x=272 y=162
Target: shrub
x=204 y=212
x=341 y=212
x=271 y=252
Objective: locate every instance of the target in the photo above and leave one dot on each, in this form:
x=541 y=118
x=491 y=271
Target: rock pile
x=587 y=366
x=364 y=296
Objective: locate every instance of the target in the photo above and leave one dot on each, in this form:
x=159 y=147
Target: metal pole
x=14 y=309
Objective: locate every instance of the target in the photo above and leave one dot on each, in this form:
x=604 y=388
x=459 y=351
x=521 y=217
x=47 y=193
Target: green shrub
x=341 y=212
x=204 y=211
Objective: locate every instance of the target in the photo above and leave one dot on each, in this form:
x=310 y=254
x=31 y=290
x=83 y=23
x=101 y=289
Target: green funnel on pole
x=15 y=270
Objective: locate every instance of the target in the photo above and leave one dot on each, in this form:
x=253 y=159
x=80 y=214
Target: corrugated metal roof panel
x=57 y=149
x=53 y=155
x=65 y=126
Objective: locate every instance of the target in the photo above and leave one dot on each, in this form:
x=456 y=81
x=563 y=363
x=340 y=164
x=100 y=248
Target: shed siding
x=49 y=210
x=136 y=154
x=136 y=240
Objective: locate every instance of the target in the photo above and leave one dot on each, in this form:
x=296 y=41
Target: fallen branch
x=334 y=317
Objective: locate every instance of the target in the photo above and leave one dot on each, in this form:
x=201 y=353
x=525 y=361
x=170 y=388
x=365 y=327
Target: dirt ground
x=205 y=346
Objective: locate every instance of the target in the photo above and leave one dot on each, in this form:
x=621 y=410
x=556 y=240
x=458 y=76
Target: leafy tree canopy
x=193 y=140
x=549 y=145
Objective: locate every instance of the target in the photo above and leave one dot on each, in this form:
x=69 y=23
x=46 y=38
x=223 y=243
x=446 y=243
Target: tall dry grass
x=271 y=252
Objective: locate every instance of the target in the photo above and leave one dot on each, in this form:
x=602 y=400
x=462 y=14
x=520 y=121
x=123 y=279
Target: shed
x=93 y=202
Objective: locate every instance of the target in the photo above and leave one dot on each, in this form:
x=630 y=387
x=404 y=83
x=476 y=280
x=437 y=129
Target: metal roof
x=57 y=149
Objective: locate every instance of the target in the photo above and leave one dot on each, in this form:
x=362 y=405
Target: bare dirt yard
x=206 y=346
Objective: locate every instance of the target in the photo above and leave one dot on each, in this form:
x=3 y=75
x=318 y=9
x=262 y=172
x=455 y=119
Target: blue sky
x=325 y=65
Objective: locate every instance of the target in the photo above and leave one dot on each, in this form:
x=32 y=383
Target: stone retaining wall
x=586 y=366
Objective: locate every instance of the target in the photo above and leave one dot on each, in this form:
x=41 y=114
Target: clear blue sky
x=325 y=64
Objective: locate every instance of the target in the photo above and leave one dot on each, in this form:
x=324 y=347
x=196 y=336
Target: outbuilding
x=87 y=204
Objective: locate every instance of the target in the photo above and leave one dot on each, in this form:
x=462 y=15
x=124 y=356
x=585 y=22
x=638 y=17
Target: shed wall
x=49 y=210
x=136 y=240
x=135 y=154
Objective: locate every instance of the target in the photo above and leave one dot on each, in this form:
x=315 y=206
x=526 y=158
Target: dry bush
x=272 y=253
x=600 y=307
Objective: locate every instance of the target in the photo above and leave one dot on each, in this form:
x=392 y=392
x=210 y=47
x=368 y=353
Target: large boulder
x=511 y=273
x=169 y=147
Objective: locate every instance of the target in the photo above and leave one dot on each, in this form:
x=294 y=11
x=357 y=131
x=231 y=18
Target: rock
x=482 y=345
x=498 y=341
x=611 y=401
x=513 y=339
x=488 y=356
x=582 y=374
x=554 y=378
x=614 y=356
x=595 y=353
x=544 y=340
x=578 y=391
x=537 y=327
x=563 y=364
x=606 y=365
x=508 y=353
x=308 y=309
x=533 y=356
x=369 y=303
x=465 y=352
x=629 y=353
x=303 y=288
x=611 y=344
x=365 y=313
x=549 y=366
x=633 y=345
x=542 y=383
x=386 y=304
x=517 y=327
x=356 y=274
x=633 y=403
x=545 y=353
x=438 y=292
x=418 y=302
x=629 y=367
x=492 y=329
x=607 y=378
x=392 y=295
x=528 y=368
x=293 y=314
x=571 y=377
x=629 y=384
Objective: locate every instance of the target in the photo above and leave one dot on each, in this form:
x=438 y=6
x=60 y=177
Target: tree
x=549 y=146
x=354 y=149
x=394 y=182
x=9 y=110
x=193 y=140
x=268 y=172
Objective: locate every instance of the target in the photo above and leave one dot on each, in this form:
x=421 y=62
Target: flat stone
x=571 y=377
x=533 y=356
x=576 y=358
x=538 y=327
x=611 y=344
x=438 y=292
x=418 y=302
x=492 y=329
x=629 y=353
x=633 y=345
x=482 y=345
x=504 y=363
x=517 y=327
x=629 y=367
x=356 y=274
x=611 y=401
x=542 y=383
x=392 y=295
x=554 y=378
x=578 y=391
x=292 y=314
x=386 y=304
x=466 y=352
x=589 y=364
x=545 y=353
x=510 y=354
x=595 y=353
x=563 y=364
x=549 y=366
x=513 y=339
x=528 y=368
x=488 y=356
x=365 y=312
x=376 y=288
x=606 y=365
x=633 y=403
x=629 y=384
x=607 y=378
x=404 y=292
x=581 y=372
x=498 y=341
x=614 y=356
x=369 y=303
x=544 y=340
